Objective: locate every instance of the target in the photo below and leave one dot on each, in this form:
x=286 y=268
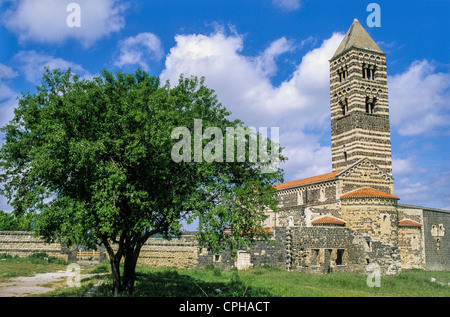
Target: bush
x=42 y=257
x=215 y=270
x=103 y=267
x=4 y=256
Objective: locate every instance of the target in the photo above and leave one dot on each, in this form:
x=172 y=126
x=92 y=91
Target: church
x=350 y=218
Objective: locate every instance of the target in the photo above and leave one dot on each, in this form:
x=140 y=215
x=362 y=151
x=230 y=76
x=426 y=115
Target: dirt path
x=37 y=284
x=25 y=286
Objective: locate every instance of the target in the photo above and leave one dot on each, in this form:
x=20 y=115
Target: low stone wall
x=24 y=243
x=159 y=252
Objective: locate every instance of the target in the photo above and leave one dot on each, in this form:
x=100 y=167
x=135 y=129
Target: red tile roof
x=368 y=192
x=409 y=223
x=329 y=220
x=308 y=180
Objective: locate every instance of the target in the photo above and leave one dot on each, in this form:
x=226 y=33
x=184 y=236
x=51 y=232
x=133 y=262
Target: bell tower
x=359 y=102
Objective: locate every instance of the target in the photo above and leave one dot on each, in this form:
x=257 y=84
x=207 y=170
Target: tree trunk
x=114 y=260
x=115 y=270
x=130 y=251
x=129 y=270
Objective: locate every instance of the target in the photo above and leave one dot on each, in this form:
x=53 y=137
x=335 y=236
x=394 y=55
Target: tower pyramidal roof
x=357 y=37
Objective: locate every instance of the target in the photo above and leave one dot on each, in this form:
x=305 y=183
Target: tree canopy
x=94 y=158
x=11 y=222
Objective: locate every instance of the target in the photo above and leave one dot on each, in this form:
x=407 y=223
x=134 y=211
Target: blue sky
x=268 y=62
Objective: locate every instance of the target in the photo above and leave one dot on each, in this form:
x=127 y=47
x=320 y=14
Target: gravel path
x=25 y=286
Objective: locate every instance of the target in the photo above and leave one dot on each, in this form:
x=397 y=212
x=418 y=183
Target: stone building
x=349 y=218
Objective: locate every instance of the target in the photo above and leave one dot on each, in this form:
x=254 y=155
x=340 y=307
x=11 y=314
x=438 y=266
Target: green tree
x=10 y=222
x=93 y=158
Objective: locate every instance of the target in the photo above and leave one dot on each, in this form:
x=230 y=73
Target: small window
x=343 y=74
x=314 y=256
x=340 y=256
x=344 y=106
x=434 y=231
x=322 y=194
x=368 y=72
x=290 y=221
x=216 y=258
x=369 y=245
x=370 y=105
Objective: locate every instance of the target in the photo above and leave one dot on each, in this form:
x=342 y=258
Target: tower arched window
x=343 y=74
x=344 y=105
x=370 y=105
x=368 y=71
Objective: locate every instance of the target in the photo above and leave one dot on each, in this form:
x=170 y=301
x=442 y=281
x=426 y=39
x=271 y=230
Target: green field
x=271 y=282
x=11 y=267
x=256 y=282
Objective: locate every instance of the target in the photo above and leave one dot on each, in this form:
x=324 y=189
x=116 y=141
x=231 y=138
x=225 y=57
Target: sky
x=267 y=61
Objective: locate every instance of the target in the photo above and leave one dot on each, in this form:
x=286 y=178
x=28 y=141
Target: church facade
x=350 y=219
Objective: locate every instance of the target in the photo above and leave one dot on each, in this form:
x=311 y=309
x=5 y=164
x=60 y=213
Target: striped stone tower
x=359 y=102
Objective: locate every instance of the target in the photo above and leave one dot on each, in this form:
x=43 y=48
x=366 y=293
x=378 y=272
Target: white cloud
x=418 y=99
x=32 y=65
x=307 y=157
x=402 y=166
x=7 y=111
x=7 y=72
x=7 y=94
x=266 y=62
x=243 y=86
x=289 y=5
x=411 y=192
x=406 y=166
x=139 y=49
x=45 y=21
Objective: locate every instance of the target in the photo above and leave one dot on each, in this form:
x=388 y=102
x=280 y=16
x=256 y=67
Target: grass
x=256 y=282
x=271 y=282
x=13 y=266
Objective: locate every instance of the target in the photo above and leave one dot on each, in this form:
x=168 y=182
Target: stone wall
x=181 y=253
x=371 y=216
x=317 y=193
x=328 y=249
x=274 y=254
x=365 y=174
x=437 y=239
x=411 y=238
x=412 y=251
x=22 y=244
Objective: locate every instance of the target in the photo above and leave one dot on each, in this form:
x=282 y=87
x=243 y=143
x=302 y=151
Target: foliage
x=12 y=222
x=93 y=158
